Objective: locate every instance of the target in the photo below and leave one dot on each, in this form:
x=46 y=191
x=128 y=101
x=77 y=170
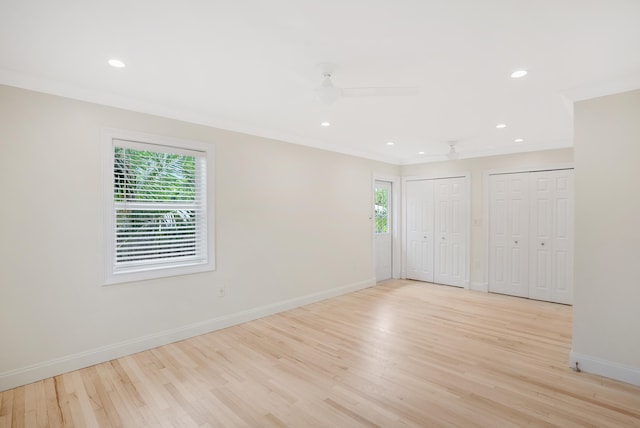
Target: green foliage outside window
x=154 y=191
x=382 y=210
x=153 y=176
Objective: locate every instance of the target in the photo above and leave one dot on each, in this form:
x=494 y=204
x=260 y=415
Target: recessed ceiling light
x=518 y=140
x=325 y=124
x=518 y=74
x=390 y=143
x=501 y=125
x=420 y=153
x=116 y=63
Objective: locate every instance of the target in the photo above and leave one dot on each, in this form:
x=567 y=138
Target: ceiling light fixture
x=116 y=63
x=453 y=153
x=390 y=143
x=501 y=125
x=325 y=124
x=326 y=91
x=518 y=140
x=518 y=74
x=420 y=153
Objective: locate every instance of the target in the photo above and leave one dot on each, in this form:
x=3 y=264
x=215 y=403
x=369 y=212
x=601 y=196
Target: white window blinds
x=159 y=207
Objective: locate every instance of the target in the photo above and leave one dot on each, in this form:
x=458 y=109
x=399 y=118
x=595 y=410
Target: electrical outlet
x=221 y=291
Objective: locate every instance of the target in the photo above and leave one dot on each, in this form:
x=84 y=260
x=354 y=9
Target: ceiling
x=253 y=66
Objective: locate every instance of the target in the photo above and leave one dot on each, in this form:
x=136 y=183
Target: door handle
x=542 y=243
x=515 y=242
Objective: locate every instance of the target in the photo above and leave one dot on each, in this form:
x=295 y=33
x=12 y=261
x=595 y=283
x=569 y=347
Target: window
x=159 y=221
x=382 y=210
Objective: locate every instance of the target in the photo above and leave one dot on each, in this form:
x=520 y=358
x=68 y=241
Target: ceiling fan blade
x=392 y=91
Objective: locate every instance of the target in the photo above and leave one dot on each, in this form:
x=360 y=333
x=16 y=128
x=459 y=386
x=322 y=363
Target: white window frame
x=113 y=275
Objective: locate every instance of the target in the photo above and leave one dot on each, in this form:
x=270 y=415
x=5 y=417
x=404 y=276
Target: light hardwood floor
x=399 y=354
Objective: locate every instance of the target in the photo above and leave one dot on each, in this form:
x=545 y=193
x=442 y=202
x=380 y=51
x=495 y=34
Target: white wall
x=606 y=323
x=292 y=226
x=478 y=167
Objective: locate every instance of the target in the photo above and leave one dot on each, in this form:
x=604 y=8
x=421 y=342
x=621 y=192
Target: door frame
x=484 y=286
x=467 y=183
x=396 y=189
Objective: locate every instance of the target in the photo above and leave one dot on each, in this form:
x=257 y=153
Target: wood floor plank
x=401 y=354
x=6 y=408
x=18 y=410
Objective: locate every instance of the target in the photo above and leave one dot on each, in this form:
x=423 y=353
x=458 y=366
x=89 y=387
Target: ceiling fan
x=328 y=93
x=452 y=154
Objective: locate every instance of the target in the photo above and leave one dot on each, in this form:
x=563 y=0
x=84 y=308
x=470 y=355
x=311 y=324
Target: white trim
x=553 y=167
x=479 y=286
x=22 y=376
x=77 y=92
x=486 y=201
x=485 y=227
x=605 y=368
x=465 y=174
x=403 y=232
x=109 y=276
x=601 y=89
x=483 y=152
x=467 y=278
x=396 y=240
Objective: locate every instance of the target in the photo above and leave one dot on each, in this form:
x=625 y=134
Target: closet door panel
x=420 y=230
x=450 y=223
x=531 y=235
x=551 y=264
x=509 y=234
x=541 y=232
x=562 y=243
x=437 y=226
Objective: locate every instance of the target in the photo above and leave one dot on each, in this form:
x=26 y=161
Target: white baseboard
x=605 y=368
x=22 y=376
x=480 y=286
